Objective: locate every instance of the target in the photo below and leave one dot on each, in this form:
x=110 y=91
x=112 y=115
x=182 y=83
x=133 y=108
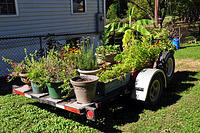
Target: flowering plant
x=58 y=68
x=16 y=68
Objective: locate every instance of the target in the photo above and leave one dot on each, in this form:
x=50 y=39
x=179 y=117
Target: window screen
x=7 y=7
x=78 y=6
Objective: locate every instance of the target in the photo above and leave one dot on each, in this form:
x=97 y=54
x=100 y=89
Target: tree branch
x=150 y=16
x=151 y=8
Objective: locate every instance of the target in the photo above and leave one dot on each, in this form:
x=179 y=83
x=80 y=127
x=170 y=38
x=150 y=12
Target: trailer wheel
x=155 y=89
x=166 y=62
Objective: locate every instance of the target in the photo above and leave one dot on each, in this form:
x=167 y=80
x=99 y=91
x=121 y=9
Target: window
x=8 y=7
x=78 y=6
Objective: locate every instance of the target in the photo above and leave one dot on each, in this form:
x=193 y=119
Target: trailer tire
x=155 y=89
x=166 y=62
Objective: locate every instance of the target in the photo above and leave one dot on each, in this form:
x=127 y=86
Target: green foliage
x=21 y=67
x=59 y=67
x=86 y=58
x=56 y=68
x=16 y=68
x=186 y=9
x=107 y=49
x=116 y=9
x=112 y=12
x=116 y=71
x=36 y=72
x=138 y=13
x=140 y=49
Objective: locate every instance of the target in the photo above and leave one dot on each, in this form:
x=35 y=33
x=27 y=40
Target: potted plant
x=114 y=77
x=85 y=88
x=87 y=62
x=57 y=72
x=16 y=70
x=106 y=53
x=35 y=74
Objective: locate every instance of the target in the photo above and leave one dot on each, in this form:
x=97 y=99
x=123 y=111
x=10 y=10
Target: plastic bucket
x=175 y=42
x=54 y=90
x=36 y=89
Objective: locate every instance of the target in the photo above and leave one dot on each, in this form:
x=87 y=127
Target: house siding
x=40 y=17
x=49 y=16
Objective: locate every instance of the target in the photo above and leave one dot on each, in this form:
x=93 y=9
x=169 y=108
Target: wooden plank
x=78 y=105
x=24 y=88
x=39 y=95
x=48 y=98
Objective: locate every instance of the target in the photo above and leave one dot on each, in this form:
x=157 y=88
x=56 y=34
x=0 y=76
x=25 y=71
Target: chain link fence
x=13 y=47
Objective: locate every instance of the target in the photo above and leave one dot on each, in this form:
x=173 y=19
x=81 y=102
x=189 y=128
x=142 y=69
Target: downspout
x=98 y=6
x=104 y=12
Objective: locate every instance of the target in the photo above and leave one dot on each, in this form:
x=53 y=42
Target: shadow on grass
x=124 y=110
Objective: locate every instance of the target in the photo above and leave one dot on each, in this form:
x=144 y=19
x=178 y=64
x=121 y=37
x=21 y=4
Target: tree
x=189 y=10
x=162 y=11
x=116 y=8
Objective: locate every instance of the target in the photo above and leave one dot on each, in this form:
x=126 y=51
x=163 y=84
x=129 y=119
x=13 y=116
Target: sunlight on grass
x=191 y=51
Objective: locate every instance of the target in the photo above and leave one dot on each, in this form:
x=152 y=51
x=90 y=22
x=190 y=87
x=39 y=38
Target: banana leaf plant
x=129 y=29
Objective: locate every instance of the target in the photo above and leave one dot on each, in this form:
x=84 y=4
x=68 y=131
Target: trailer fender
x=143 y=81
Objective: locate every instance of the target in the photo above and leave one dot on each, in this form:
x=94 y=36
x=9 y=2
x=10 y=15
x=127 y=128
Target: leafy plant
x=86 y=58
x=59 y=69
x=140 y=50
x=16 y=68
x=116 y=71
x=107 y=49
x=36 y=73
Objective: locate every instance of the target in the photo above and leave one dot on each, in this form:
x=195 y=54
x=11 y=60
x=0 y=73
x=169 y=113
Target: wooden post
x=156 y=12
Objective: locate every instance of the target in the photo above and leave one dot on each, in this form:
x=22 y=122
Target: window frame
x=72 y=8
x=17 y=11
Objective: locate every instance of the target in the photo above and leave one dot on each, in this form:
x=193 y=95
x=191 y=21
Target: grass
x=188 y=51
x=178 y=111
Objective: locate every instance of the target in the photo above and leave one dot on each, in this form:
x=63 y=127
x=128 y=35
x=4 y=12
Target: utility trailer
x=145 y=85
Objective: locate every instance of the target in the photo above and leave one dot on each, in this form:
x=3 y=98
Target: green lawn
x=188 y=51
x=178 y=111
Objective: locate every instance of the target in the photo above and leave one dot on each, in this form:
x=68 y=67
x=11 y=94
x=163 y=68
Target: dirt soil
x=83 y=80
x=187 y=65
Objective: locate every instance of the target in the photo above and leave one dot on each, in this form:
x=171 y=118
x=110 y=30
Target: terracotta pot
x=85 y=88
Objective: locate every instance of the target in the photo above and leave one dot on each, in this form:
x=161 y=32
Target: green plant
x=117 y=71
x=59 y=68
x=16 y=68
x=112 y=12
x=139 y=51
x=29 y=59
x=86 y=58
x=107 y=49
x=36 y=73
